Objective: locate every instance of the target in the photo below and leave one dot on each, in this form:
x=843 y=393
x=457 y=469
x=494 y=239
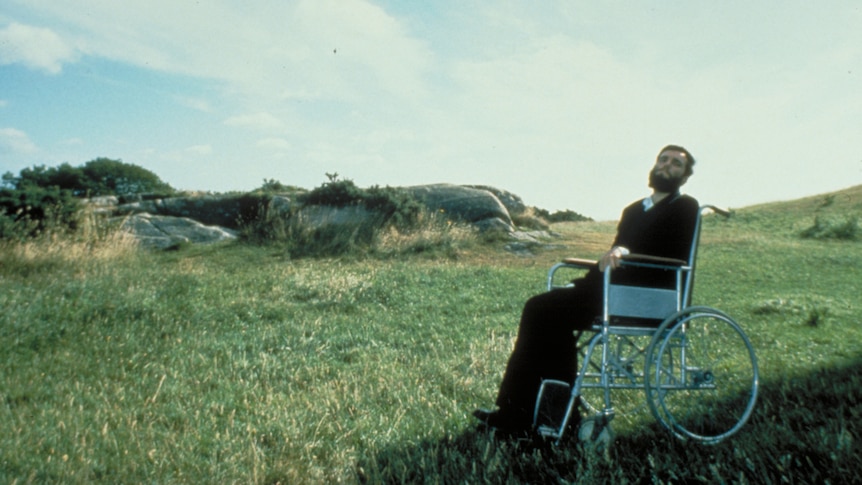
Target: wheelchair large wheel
x=701 y=375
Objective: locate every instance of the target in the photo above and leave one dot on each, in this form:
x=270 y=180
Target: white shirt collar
x=648 y=203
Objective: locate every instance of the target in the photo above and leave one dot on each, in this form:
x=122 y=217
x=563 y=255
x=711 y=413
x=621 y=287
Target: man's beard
x=662 y=184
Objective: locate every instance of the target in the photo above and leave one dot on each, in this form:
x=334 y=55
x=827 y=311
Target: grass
x=236 y=364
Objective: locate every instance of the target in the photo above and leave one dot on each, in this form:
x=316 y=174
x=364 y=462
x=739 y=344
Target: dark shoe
x=499 y=420
x=483 y=415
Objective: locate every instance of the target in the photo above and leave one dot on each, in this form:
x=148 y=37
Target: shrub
x=823 y=228
x=306 y=240
x=812 y=310
x=265 y=226
x=434 y=236
x=114 y=177
x=562 y=216
x=102 y=176
x=34 y=210
x=530 y=219
x=395 y=206
x=272 y=186
x=298 y=236
x=398 y=224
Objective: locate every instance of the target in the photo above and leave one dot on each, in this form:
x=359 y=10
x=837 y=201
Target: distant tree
x=64 y=177
x=42 y=198
x=113 y=177
x=67 y=177
x=101 y=176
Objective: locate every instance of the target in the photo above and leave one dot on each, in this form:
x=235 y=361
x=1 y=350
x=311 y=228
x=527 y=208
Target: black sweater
x=666 y=230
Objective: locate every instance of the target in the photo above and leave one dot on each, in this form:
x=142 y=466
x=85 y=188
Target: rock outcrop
x=218 y=210
x=167 y=222
x=163 y=232
x=476 y=206
x=513 y=204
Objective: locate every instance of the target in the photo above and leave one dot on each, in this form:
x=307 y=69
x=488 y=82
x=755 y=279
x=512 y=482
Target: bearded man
x=662 y=225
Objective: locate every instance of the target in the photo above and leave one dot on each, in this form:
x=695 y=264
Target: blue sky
x=563 y=103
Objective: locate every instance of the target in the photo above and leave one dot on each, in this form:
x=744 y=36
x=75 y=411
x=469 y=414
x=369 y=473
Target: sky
x=563 y=103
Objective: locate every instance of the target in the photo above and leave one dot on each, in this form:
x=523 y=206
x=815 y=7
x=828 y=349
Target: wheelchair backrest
x=692 y=258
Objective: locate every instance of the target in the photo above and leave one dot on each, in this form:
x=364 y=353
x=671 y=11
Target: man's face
x=668 y=174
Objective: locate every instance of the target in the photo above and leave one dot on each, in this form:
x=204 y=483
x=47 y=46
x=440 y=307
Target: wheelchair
x=694 y=365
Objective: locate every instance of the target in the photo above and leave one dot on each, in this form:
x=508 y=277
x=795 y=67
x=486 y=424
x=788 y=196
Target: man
x=660 y=225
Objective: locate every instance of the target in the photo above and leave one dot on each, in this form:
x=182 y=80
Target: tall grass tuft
x=432 y=235
x=318 y=232
x=94 y=240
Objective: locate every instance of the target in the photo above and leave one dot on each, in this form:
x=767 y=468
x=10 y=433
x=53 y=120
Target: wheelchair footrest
x=553 y=408
x=549 y=432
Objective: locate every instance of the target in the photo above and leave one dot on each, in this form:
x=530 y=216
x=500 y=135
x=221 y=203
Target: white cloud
x=16 y=142
x=552 y=103
x=74 y=141
x=337 y=49
x=36 y=48
x=200 y=150
x=256 y=121
x=197 y=104
x=279 y=144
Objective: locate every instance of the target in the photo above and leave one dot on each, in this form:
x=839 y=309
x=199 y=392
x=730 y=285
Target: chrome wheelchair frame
x=698 y=372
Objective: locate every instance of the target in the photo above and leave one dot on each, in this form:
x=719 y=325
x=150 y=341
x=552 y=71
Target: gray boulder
x=102 y=205
x=321 y=216
x=493 y=224
x=280 y=206
x=220 y=210
x=514 y=204
x=162 y=232
x=467 y=204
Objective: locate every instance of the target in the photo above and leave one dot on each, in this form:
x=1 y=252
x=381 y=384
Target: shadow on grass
x=805 y=429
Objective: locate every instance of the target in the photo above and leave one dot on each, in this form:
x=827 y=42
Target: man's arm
x=613 y=258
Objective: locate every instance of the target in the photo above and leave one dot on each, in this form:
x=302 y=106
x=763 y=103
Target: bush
x=395 y=223
x=36 y=210
x=823 y=228
x=42 y=199
x=274 y=187
x=562 y=216
x=396 y=207
x=101 y=176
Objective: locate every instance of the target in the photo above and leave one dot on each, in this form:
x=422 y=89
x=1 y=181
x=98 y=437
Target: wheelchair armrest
x=581 y=263
x=646 y=258
x=576 y=264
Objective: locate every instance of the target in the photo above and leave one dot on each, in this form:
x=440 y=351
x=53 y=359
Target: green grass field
x=236 y=364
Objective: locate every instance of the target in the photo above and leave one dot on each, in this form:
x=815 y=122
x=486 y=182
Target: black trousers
x=545 y=347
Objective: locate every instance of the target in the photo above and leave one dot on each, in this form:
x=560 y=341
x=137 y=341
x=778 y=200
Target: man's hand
x=612 y=258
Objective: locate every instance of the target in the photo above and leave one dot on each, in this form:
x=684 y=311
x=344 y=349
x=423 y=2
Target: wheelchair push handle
x=714 y=208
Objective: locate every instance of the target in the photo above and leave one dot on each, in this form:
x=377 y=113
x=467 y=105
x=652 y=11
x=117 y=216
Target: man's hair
x=689 y=166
